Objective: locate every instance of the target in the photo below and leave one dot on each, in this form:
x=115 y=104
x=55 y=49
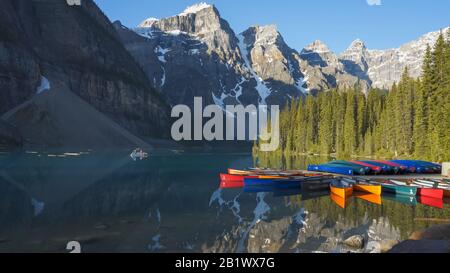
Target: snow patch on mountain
x=44 y=86
x=161 y=52
x=263 y=91
x=148 y=23
x=195 y=8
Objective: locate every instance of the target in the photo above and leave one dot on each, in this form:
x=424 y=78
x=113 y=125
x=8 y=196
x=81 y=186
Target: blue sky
x=336 y=22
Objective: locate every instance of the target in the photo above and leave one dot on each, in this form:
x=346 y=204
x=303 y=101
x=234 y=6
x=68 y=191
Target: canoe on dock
x=420 y=168
x=368 y=188
x=398 y=188
x=373 y=168
x=357 y=168
x=331 y=169
x=402 y=168
x=425 y=190
x=364 y=186
x=385 y=168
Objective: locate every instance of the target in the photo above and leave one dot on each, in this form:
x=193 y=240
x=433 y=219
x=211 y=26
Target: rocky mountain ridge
x=53 y=54
x=257 y=66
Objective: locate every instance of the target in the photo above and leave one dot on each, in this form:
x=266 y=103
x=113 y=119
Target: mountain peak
x=317 y=46
x=195 y=8
x=148 y=22
x=357 y=44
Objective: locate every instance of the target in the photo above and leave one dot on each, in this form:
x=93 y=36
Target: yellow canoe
x=272 y=177
x=371 y=198
x=373 y=189
x=239 y=172
x=342 y=192
x=341 y=202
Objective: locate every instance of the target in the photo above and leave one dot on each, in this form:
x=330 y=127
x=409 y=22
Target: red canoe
x=233 y=181
x=432 y=193
x=374 y=168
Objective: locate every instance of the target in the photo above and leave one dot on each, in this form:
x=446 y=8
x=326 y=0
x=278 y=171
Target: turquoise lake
x=171 y=203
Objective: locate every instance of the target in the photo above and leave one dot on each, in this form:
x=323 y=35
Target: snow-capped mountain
x=386 y=66
x=369 y=68
x=196 y=53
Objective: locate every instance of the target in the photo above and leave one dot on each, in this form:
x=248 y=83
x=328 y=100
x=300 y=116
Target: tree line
x=411 y=120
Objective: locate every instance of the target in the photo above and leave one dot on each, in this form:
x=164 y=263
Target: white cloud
x=374 y=2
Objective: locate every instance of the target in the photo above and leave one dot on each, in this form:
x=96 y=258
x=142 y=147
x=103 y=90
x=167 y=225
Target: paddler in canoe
x=138 y=154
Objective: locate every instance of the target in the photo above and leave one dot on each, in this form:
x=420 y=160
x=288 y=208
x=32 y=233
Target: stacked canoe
x=375 y=167
x=311 y=185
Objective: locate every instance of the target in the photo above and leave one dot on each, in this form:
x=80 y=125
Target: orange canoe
x=372 y=189
x=343 y=192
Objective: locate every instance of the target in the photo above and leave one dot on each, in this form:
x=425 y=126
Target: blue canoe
x=331 y=169
x=436 y=167
x=420 y=168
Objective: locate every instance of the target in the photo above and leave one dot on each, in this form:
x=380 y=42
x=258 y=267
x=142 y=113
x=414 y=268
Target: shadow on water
x=171 y=203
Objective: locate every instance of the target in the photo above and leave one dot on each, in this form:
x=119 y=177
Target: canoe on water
x=398 y=188
x=367 y=188
x=341 y=189
x=364 y=186
x=280 y=183
x=306 y=183
x=438 y=184
x=264 y=172
x=425 y=190
x=240 y=172
x=228 y=181
x=138 y=155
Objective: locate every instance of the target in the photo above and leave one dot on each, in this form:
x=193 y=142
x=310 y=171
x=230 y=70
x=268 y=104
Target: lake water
x=171 y=203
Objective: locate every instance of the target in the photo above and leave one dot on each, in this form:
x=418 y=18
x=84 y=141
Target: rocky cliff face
x=362 y=66
x=326 y=71
x=77 y=45
x=387 y=66
x=196 y=53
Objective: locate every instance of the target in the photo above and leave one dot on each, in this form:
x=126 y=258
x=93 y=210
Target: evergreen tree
x=350 y=126
x=325 y=123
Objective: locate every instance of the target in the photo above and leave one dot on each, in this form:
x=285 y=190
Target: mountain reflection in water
x=171 y=203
